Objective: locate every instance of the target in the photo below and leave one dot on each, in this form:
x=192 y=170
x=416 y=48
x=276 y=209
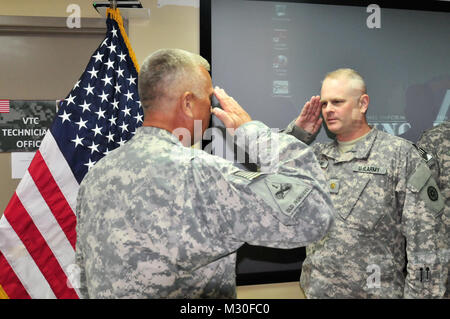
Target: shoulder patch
x=282 y=193
x=432 y=193
x=423 y=183
x=420 y=176
x=432 y=197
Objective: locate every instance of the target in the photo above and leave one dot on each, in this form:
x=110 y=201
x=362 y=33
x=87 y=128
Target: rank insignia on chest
x=333 y=186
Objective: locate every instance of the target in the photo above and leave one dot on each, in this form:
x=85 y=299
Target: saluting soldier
x=436 y=142
x=384 y=242
x=159 y=219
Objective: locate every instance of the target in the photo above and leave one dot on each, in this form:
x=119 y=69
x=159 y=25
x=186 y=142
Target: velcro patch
x=420 y=177
x=288 y=196
x=369 y=169
x=422 y=181
x=432 y=197
x=281 y=192
x=432 y=193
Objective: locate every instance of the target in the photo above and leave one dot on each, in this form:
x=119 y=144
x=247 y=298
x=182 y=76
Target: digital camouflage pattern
x=388 y=217
x=159 y=220
x=17 y=132
x=436 y=141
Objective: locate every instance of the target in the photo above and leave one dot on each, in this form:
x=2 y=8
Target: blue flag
x=103 y=110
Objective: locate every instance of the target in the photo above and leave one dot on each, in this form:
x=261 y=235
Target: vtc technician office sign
x=24 y=125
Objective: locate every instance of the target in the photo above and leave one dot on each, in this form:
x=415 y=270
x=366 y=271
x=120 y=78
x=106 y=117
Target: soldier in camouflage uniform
x=436 y=141
x=159 y=219
x=384 y=242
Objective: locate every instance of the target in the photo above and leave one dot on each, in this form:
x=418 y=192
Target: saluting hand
x=231 y=114
x=309 y=119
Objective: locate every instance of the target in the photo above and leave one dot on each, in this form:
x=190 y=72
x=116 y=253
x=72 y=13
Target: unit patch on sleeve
x=283 y=193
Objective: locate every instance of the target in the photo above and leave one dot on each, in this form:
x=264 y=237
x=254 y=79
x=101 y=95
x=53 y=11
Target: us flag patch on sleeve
x=247 y=174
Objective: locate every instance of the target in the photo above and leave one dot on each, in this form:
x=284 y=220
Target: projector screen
x=271 y=56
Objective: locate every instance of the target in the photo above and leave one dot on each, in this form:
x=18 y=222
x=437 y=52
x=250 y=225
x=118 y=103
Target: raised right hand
x=231 y=114
x=309 y=118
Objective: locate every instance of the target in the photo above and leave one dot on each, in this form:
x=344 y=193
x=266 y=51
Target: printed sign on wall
x=24 y=125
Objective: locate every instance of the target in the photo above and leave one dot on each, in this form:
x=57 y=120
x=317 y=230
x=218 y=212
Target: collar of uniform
x=157 y=132
x=361 y=149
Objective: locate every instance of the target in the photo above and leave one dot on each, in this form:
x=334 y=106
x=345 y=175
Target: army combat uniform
x=156 y=219
x=384 y=242
x=436 y=142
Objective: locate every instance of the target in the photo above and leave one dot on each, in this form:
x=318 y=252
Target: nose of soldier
x=328 y=111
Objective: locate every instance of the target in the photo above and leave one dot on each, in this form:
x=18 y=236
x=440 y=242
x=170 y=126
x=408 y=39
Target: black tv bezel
x=206 y=52
x=205 y=14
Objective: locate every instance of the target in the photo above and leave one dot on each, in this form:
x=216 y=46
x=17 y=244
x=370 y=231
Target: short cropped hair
x=349 y=74
x=165 y=70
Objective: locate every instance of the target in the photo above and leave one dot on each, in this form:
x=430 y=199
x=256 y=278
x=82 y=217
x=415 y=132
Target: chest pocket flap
x=359 y=202
x=364 y=194
x=349 y=193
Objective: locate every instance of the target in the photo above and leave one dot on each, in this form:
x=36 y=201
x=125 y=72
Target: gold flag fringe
x=115 y=14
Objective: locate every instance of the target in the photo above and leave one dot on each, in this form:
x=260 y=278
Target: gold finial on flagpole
x=113 y=4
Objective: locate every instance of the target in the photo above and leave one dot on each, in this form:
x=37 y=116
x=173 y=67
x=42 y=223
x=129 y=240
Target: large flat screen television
x=271 y=56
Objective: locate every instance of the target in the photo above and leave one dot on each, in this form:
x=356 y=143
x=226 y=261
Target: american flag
x=37 y=230
x=4 y=106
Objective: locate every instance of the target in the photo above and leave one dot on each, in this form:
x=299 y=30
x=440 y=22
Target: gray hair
x=164 y=72
x=351 y=74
